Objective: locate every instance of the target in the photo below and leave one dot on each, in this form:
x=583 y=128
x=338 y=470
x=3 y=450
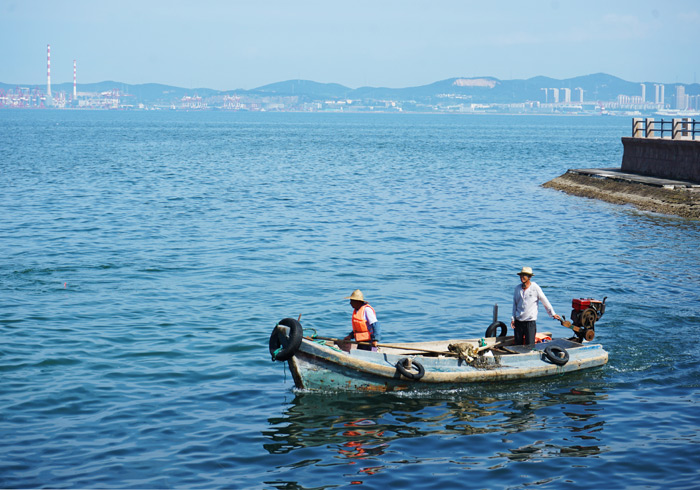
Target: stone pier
x=658 y=174
x=647 y=152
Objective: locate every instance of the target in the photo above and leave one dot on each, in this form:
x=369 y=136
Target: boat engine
x=585 y=312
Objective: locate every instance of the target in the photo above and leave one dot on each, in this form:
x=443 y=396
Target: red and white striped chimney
x=48 y=71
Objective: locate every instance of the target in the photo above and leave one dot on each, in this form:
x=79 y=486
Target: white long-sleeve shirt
x=526 y=301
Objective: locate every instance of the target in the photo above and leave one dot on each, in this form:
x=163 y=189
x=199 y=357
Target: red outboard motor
x=585 y=312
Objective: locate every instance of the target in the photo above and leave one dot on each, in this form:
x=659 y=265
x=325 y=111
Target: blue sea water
x=147 y=256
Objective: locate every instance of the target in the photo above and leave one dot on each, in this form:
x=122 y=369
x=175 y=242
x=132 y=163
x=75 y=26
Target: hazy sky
x=245 y=44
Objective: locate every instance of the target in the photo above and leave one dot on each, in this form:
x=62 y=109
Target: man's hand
x=512 y=324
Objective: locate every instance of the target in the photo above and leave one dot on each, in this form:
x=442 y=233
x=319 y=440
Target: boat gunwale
x=467 y=373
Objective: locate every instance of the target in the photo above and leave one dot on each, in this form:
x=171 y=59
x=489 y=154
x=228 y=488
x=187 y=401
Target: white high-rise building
x=681 y=98
x=644 y=93
x=659 y=97
x=567 y=95
x=555 y=95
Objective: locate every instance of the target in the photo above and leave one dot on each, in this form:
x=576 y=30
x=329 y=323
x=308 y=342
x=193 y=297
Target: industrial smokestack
x=75 y=83
x=48 y=73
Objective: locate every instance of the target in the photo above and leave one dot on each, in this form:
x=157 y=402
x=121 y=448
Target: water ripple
x=147 y=257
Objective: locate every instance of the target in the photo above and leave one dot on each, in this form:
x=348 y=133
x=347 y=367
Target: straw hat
x=357 y=296
x=526 y=270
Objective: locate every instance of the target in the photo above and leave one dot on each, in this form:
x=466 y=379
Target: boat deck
x=524 y=349
x=441 y=348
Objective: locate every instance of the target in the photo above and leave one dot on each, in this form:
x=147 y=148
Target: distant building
x=555 y=95
x=567 y=95
x=644 y=93
x=659 y=98
x=624 y=99
x=693 y=102
x=681 y=98
x=579 y=91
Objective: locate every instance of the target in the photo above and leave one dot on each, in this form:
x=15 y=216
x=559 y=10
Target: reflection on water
x=488 y=426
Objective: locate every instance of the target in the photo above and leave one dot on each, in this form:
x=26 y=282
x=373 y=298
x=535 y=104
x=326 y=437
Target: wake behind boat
x=328 y=364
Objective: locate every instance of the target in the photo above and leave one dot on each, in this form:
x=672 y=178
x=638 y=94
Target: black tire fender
x=556 y=355
x=284 y=345
x=491 y=331
x=401 y=367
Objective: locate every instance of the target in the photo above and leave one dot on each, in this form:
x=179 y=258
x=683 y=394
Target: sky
x=242 y=44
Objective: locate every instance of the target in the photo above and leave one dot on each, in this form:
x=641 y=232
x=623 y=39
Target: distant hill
x=597 y=87
x=307 y=88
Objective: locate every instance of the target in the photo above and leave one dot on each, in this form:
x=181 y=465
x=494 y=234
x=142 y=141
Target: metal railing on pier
x=676 y=129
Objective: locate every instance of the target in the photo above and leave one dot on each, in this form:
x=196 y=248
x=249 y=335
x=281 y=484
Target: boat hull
x=319 y=366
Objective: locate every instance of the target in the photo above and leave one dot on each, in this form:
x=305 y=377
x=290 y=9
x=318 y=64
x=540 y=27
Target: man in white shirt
x=526 y=299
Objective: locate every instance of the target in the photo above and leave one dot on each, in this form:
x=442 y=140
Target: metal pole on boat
x=495 y=312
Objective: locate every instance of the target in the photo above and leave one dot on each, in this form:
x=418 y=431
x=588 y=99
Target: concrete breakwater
x=657 y=174
x=620 y=188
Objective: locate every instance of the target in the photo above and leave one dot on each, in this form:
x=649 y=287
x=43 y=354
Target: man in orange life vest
x=365 y=327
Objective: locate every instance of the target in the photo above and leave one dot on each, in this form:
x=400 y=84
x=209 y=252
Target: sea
x=147 y=256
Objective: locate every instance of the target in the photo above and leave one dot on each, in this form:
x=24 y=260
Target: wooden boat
x=326 y=364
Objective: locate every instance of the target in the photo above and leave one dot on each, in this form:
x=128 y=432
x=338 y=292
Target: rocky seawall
x=678 y=200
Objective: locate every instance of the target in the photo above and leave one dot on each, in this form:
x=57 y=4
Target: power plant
x=36 y=98
x=48 y=73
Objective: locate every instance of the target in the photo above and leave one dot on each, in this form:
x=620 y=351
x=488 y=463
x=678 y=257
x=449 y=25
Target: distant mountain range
x=596 y=87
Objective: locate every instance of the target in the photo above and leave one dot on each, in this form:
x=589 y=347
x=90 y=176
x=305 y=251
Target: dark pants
x=525 y=332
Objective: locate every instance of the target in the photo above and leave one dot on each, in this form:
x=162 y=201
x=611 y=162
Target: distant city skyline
x=244 y=45
x=592 y=94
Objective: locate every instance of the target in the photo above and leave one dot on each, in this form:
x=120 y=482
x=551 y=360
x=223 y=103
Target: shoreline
x=675 y=198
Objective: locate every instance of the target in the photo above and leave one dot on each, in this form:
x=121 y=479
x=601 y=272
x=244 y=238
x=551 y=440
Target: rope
x=465 y=352
x=323 y=343
x=274 y=354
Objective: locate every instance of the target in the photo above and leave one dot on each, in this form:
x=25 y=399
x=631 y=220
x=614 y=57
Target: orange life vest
x=359 y=324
